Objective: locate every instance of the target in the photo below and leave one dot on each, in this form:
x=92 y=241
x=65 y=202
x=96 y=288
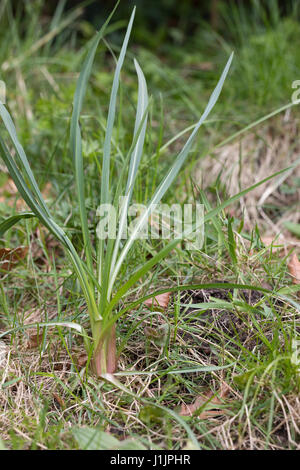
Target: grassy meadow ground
x=245 y=340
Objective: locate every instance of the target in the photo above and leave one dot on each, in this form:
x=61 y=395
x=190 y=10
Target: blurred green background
x=174 y=21
x=181 y=45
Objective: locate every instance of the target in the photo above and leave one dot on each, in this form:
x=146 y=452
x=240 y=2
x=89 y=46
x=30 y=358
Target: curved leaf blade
x=14 y=219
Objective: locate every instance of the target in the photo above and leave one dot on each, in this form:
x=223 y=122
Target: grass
x=109 y=261
x=235 y=344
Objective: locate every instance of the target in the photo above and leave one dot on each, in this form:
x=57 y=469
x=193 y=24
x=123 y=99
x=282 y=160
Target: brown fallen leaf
x=81 y=359
x=282 y=243
x=158 y=335
x=294 y=268
x=268 y=241
x=59 y=400
x=213 y=404
x=10 y=257
x=34 y=340
x=35 y=334
x=206 y=66
x=161 y=300
x=273 y=243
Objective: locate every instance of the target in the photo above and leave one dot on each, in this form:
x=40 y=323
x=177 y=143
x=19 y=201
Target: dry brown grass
x=255 y=156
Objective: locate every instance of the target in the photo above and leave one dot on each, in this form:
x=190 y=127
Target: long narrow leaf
x=172 y=173
x=10 y=127
x=105 y=189
x=14 y=219
x=75 y=138
x=172 y=244
x=141 y=109
x=51 y=225
x=111 y=116
x=113 y=245
x=141 y=120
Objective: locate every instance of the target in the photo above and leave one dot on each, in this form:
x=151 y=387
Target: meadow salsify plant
x=98 y=270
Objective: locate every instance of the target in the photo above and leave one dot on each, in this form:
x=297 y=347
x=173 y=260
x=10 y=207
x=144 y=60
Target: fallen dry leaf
x=273 y=243
x=81 y=359
x=282 y=243
x=59 y=400
x=206 y=66
x=158 y=335
x=294 y=268
x=189 y=410
x=35 y=334
x=10 y=257
x=268 y=241
x=34 y=340
x=213 y=404
x=161 y=300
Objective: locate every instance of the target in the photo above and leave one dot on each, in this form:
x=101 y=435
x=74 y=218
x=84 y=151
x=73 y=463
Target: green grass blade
x=138 y=138
x=212 y=285
x=172 y=244
x=111 y=117
x=66 y=324
x=52 y=227
x=172 y=173
x=112 y=379
x=255 y=123
x=293 y=227
x=75 y=139
x=105 y=188
x=141 y=109
x=189 y=370
x=10 y=127
x=14 y=219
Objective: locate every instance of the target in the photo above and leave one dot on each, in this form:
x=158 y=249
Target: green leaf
x=75 y=138
x=105 y=191
x=14 y=219
x=105 y=176
x=173 y=243
x=150 y=414
x=231 y=242
x=172 y=173
x=94 y=439
x=10 y=127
